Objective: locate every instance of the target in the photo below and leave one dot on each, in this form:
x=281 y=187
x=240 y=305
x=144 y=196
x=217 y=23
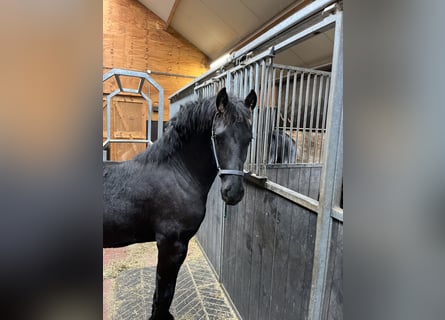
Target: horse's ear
x=222 y=100
x=250 y=100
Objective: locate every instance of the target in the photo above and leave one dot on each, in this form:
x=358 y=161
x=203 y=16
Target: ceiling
x=218 y=27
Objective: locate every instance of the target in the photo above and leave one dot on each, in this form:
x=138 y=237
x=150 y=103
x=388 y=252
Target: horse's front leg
x=171 y=255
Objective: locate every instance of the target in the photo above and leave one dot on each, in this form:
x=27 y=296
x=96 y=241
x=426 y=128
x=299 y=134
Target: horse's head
x=231 y=135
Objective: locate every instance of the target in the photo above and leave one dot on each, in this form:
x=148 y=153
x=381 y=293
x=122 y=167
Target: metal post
x=266 y=129
x=286 y=106
x=292 y=115
x=306 y=106
x=160 y=113
x=311 y=121
x=300 y=100
x=280 y=90
x=328 y=175
x=317 y=131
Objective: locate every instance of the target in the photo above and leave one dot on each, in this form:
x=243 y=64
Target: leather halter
x=222 y=171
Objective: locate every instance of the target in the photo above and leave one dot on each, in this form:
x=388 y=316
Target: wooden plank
x=221 y=220
x=308 y=258
x=242 y=262
x=233 y=211
x=336 y=296
x=296 y=263
x=209 y=234
x=128 y=116
x=314 y=182
x=267 y=229
x=252 y=207
x=268 y=253
x=294 y=178
x=257 y=255
x=304 y=182
x=281 y=251
x=333 y=297
x=293 y=196
x=330 y=269
x=229 y=253
x=172 y=12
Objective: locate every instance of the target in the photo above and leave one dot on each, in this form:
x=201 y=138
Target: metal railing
x=289 y=123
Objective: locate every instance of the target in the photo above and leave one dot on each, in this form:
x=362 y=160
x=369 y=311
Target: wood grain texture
x=268 y=255
x=135 y=38
x=333 y=296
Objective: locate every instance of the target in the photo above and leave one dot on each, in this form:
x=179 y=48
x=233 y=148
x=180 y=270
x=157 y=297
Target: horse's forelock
x=237 y=111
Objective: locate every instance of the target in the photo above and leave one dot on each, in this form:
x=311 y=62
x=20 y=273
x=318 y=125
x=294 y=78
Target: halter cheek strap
x=223 y=171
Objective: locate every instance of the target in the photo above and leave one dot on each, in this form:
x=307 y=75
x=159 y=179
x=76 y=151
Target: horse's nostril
x=226 y=191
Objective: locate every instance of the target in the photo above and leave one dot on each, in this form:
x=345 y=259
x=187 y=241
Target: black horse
x=161 y=194
x=282 y=149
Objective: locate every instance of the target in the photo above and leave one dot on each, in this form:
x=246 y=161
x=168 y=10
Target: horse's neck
x=198 y=162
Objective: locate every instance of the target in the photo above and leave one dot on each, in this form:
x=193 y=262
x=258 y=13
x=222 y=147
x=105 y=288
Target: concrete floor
x=129 y=279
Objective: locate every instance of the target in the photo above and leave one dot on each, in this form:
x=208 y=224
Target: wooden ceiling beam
x=172 y=13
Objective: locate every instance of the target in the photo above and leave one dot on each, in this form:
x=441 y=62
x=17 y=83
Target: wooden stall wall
x=263 y=248
x=210 y=233
x=333 y=295
x=268 y=256
x=303 y=178
x=134 y=38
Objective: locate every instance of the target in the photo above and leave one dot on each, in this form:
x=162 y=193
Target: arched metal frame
x=117 y=73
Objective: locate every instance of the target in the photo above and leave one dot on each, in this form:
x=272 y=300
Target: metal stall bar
x=228 y=80
x=305 y=33
x=299 y=16
x=272 y=115
x=255 y=120
x=306 y=106
x=252 y=143
x=261 y=105
x=299 y=69
x=311 y=120
x=268 y=106
x=338 y=180
x=328 y=184
x=286 y=103
x=235 y=82
x=111 y=95
x=141 y=84
x=150 y=114
x=292 y=115
x=325 y=114
x=280 y=90
x=300 y=103
x=118 y=81
x=317 y=119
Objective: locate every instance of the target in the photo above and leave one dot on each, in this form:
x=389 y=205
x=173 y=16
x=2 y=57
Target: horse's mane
x=192 y=119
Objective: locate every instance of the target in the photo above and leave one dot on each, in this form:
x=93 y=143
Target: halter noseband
x=222 y=171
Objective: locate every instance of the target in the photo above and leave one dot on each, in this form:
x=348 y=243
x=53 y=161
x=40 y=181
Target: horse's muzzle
x=232 y=190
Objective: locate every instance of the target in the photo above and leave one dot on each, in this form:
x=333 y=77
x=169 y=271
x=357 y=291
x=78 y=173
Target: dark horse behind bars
x=161 y=194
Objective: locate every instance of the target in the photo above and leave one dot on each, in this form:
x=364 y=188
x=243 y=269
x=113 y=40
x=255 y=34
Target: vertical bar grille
x=289 y=122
